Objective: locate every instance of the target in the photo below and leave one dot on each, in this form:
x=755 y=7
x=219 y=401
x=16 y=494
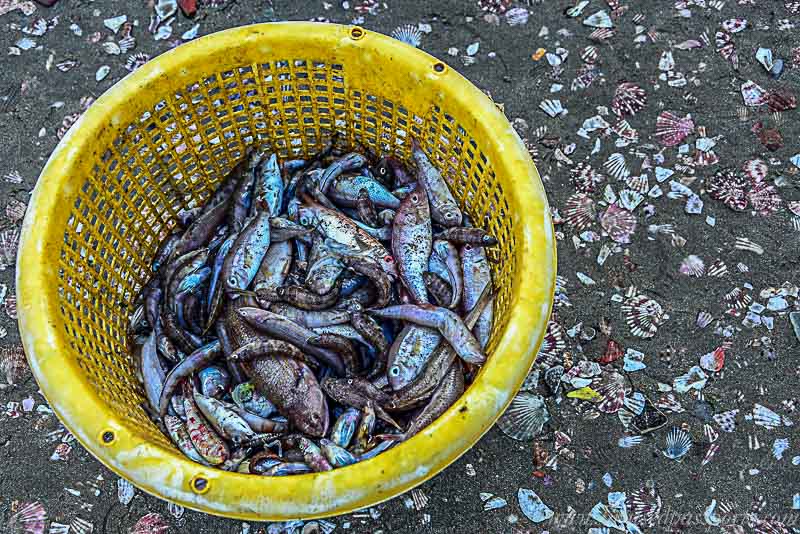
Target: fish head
x=400 y=375
x=451 y=215
x=389 y=266
x=307 y=216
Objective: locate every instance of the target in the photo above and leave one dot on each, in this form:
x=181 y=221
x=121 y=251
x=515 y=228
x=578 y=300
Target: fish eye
x=304 y=220
x=349 y=381
x=467 y=247
x=388 y=259
x=232 y=280
x=414 y=198
x=449 y=215
x=394 y=371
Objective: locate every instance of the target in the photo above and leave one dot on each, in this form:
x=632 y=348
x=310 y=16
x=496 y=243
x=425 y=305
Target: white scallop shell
x=525 y=417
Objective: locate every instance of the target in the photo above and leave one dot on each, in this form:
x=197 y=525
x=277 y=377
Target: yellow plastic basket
x=162 y=138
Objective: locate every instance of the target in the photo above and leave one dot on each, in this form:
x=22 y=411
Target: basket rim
x=305 y=496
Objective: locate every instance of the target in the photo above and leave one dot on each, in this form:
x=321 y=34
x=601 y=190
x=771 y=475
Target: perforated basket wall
x=162 y=139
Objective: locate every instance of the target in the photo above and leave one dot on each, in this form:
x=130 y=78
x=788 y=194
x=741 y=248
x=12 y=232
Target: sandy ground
x=746 y=476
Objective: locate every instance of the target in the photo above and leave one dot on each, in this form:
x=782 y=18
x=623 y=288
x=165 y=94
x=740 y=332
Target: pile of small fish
x=307 y=292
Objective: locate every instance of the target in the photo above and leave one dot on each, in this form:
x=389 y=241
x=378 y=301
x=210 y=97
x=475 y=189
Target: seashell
x=577 y=9
x=601 y=19
x=561 y=440
x=15 y=210
x=695 y=379
x=718 y=269
x=492 y=502
x=494 y=6
x=630 y=199
x=692 y=266
x=126 y=44
x=713 y=361
x=710 y=434
x=517 y=16
x=710 y=516
x=102 y=73
x=136 y=60
x=643 y=315
x=626 y=132
x=175 y=510
x=409 y=34
x=779 y=446
x=125 y=491
x=616 y=166
x=613 y=397
x=553 y=345
x=639 y=183
x=764 y=56
x=678 y=444
x=726 y=48
x=13 y=364
x=704 y=319
x=585 y=76
x=29 y=518
x=626 y=442
x=644 y=506
x=613 y=352
x=590 y=54
x=650 y=419
x=58 y=528
x=738 y=299
x=671 y=129
x=9 y=239
x=763 y=416
x=585 y=178
x=602 y=34
x=669 y=403
x=625 y=417
x=629 y=99
x=712 y=450
x=781 y=99
x=580 y=211
x=729 y=187
x=525 y=417
x=635 y=402
x=726 y=420
x=111 y=48
x=755 y=170
x=552 y=378
x=667 y=62
x=532 y=506
x=753 y=94
x=151 y=523
x=552 y=107
x=734 y=25
x=633 y=361
x=764 y=198
x=613 y=516
x=80 y=526
x=618 y=223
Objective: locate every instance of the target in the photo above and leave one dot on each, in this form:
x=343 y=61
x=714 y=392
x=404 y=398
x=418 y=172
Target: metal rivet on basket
x=200 y=484
x=357 y=32
x=439 y=67
x=107 y=437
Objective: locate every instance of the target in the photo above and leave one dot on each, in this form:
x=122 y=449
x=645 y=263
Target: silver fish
x=247 y=253
x=412 y=243
x=336 y=455
x=323 y=274
x=450 y=326
x=444 y=208
x=448 y=253
x=477 y=276
x=224 y=420
x=344 y=190
x=274 y=267
x=268 y=188
x=409 y=353
x=338 y=227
